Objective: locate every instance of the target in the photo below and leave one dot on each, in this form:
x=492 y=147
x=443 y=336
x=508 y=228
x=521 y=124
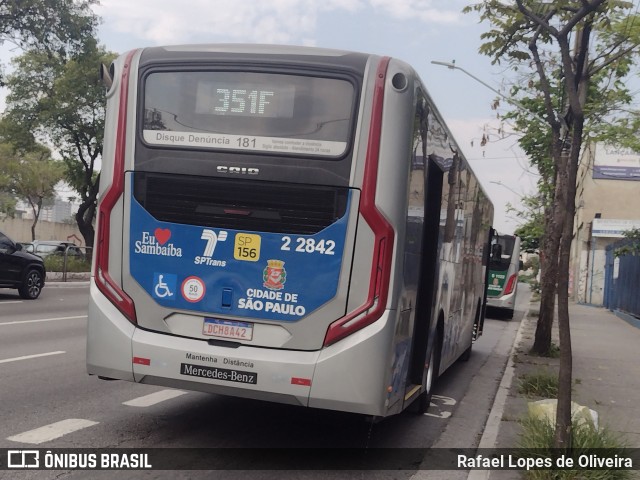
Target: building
x=607 y=204
x=60 y=211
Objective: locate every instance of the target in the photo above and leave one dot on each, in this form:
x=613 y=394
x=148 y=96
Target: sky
x=415 y=31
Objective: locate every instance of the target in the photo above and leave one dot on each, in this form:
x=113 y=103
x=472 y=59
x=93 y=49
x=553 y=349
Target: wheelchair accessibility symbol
x=164 y=286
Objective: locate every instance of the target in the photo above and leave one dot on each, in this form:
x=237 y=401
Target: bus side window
x=496 y=251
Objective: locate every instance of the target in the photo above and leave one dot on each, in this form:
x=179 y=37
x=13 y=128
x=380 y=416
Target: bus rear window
x=262 y=112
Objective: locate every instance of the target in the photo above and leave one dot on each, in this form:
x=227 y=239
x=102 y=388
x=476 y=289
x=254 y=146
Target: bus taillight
x=105 y=283
x=511 y=284
x=103 y=280
x=376 y=302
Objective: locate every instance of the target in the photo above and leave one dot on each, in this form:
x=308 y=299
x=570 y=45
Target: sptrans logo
x=212 y=241
x=157 y=244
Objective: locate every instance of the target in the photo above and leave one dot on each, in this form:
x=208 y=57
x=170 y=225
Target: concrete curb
x=68 y=284
x=71 y=276
x=467 y=417
x=492 y=427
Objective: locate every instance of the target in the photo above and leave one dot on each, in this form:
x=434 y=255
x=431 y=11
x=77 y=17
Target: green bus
x=504 y=264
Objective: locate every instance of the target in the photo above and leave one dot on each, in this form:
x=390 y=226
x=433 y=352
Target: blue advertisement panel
x=272 y=276
x=615 y=163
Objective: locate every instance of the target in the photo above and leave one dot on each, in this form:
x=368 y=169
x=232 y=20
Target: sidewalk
x=606 y=375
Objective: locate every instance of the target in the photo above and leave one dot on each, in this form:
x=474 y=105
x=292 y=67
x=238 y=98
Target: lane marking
x=11 y=301
x=438 y=415
x=57 y=319
x=52 y=431
x=154 y=398
x=444 y=401
x=27 y=357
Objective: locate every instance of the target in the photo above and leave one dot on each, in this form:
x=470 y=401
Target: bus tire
x=509 y=314
x=424 y=400
x=466 y=355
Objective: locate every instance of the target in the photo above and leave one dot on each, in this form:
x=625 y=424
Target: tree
x=56 y=27
x=538 y=37
x=632 y=246
x=30 y=176
x=7 y=201
x=532 y=213
x=61 y=101
x=530 y=234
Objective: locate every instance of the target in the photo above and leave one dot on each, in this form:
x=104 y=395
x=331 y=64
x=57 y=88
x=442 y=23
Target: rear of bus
x=502 y=286
x=242 y=246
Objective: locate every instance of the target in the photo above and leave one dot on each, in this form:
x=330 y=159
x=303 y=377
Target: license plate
x=215 y=327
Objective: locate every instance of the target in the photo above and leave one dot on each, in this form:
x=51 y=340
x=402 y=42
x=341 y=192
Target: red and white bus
x=289 y=224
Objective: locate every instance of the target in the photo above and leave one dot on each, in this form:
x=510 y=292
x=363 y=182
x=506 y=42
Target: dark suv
x=20 y=269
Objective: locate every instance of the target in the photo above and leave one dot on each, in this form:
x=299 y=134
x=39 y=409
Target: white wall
x=20 y=231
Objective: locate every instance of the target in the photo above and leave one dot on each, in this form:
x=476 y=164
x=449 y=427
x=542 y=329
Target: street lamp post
x=506 y=186
x=453 y=66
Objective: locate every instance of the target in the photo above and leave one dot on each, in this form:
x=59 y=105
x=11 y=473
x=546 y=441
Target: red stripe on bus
x=104 y=282
x=384 y=235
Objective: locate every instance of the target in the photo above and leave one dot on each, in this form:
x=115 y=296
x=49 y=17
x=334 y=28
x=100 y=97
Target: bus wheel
x=424 y=400
x=466 y=355
x=509 y=314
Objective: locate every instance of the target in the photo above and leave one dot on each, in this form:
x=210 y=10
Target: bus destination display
x=254 y=111
x=245 y=99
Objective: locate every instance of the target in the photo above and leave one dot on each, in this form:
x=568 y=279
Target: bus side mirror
x=105 y=76
x=496 y=251
x=521 y=265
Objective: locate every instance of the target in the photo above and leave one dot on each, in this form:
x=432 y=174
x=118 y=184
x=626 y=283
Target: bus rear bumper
x=351 y=375
x=242 y=372
x=505 y=301
x=109 y=336
x=346 y=376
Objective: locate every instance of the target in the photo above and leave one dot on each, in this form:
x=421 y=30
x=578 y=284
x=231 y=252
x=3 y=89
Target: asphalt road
x=48 y=401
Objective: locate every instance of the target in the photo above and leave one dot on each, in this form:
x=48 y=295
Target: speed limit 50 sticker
x=193 y=289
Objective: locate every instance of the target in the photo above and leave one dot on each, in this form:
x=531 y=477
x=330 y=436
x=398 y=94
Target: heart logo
x=162 y=235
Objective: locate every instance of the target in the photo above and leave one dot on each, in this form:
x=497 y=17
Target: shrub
x=55 y=263
x=537 y=440
x=539 y=384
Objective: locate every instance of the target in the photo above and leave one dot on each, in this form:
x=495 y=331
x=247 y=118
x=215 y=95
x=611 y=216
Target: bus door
x=486 y=259
x=425 y=299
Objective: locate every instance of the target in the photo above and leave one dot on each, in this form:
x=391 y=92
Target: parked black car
x=20 y=269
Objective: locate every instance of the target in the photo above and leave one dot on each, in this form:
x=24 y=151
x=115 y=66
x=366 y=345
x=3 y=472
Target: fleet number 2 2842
x=308 y=245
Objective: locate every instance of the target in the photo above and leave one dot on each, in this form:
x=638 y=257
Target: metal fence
x=70 y=263
x=622 y=281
